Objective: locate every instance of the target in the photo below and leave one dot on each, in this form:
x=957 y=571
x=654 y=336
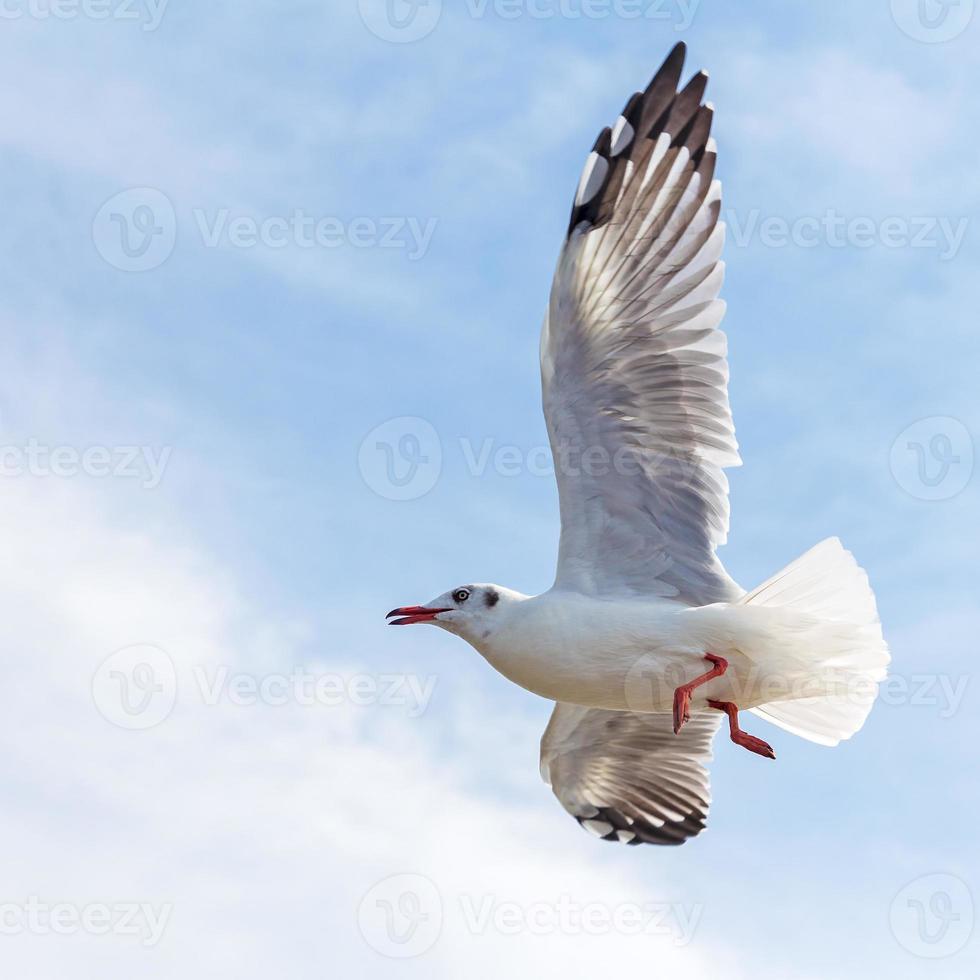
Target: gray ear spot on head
x=493 y=597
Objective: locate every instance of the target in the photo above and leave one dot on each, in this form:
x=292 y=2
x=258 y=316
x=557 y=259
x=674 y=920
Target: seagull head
x=470 y=611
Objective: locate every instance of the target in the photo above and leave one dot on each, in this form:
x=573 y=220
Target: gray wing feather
x=634 y=370
x=627 y=777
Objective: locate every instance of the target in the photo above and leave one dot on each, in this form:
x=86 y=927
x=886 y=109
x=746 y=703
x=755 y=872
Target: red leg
x=739 y=737
x=682 y=696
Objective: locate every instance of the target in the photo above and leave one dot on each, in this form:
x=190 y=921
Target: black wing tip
x=669 y=835
x=695 y=132
x=693 y=92
x=603 y=142
x=667 y=77
x=676 y=57
x=679 y=113
x=684 y=109
x=633 y=108
x=587 y=210
x=699 y=84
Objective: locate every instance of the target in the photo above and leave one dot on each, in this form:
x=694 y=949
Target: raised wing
x=633 y=364
x=627 y=777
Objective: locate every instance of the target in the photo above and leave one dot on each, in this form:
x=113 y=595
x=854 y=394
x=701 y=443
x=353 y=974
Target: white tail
x=843 y=642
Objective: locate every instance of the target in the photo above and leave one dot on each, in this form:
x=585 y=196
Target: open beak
x=413 y=614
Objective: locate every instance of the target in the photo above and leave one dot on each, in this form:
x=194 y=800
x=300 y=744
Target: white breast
x=569 y=647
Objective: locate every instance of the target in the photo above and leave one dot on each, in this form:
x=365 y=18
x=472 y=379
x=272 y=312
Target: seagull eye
x=461 y=595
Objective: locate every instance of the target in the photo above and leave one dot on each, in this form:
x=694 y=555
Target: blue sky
x=225 y=371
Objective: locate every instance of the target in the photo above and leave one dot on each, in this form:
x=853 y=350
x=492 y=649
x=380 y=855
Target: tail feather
x=826 y=582
x=846 y=645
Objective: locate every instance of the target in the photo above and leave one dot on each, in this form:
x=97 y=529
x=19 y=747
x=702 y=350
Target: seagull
x=644 y=642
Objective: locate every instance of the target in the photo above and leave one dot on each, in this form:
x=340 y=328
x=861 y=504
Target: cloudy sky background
x=254 y=534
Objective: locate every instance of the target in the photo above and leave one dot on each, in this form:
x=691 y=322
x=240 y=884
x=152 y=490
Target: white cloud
x=261 y=826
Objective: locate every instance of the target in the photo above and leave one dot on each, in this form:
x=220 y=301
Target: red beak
x=413 y=614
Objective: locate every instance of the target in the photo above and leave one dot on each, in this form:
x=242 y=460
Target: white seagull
x=644 y=641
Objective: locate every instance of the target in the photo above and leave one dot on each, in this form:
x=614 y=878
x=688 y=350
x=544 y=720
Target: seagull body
x=644 y=641
x=609 y=653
